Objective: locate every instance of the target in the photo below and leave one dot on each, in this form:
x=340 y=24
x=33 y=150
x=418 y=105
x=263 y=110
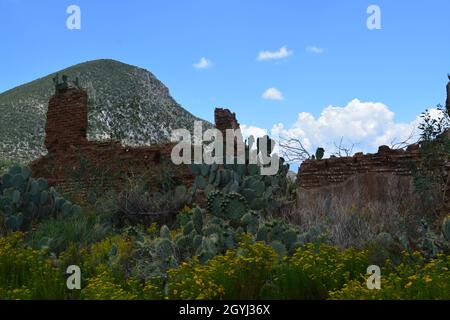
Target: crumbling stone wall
x=365 y=179
x=225 y=119
x=75 y=164
x=326 y=172
x=66 y=120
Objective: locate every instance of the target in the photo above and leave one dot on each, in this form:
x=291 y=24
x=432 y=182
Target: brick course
x=73 y=160
x=319 y=173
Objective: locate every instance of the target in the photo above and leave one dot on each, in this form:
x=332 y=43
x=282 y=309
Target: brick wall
x=225 y=119
x=365 y=178
x=319 y=173
x=66 y=120
x=75 y=164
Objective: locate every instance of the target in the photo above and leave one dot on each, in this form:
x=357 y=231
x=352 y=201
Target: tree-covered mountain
x=125 y=102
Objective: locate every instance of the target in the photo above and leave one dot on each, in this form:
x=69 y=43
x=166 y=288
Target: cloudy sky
x=312 y=70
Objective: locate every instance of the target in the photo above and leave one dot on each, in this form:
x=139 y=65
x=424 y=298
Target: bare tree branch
x=406 y=142
x=342 y=150
x=293 y=150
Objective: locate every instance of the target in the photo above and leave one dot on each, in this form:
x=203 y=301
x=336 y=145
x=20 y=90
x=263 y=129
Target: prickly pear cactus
x=214 y=201
x=165 y=233
x=234 y=206
x=279 y=248
x=320 y=152
x=251 y=222
x=164 y=249
x=278 y=231
x=24 y=199
x=197 y=220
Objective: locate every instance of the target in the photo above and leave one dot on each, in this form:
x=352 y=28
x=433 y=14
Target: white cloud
x=314 y=49
x=367 y=125
x=203 y=64
x=282 y=53
x=272 y=94
x=256 y=132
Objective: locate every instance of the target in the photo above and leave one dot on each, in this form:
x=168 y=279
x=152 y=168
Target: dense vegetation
x=229 y=239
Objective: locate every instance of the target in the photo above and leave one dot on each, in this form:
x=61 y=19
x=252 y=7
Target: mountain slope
x=125 y=102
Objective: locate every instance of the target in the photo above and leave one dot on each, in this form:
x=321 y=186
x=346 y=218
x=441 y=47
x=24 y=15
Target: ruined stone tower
x=67 y=122
x=225 y=119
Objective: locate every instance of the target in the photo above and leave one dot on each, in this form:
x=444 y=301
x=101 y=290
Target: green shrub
x=27 y=273
x=238 y=274
x=106 y=286
x=253 y=271
x=430 y=178
x=312 y=271
x=414 y=278
x=57 y=233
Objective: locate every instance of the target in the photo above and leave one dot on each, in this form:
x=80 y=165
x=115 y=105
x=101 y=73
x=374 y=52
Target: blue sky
x=402 y=67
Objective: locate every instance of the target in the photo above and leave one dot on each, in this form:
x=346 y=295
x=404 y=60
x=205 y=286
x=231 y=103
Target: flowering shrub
x=115 y=252
x=414 y=278
x=103 y=286
x=312 y=271
x=106 y=286
x=26 y=273
x=253 y=270
x=239 y=274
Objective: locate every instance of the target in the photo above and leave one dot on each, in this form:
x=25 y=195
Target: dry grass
x=352 y=215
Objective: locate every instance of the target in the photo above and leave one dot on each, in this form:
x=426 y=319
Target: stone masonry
x=319 y=173
x=73 y=160
x=365 y=178
x=225 y=119
x=66 y=120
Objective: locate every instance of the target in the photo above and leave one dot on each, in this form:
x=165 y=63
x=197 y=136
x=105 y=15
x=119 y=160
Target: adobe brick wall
x=66 y=120
x=73 y=161
x=75 y=164
x=363 y=179
x=225 y=119
x=325 y=172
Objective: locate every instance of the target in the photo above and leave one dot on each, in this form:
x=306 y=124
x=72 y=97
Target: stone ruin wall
x=72 y=159
x=67 y=121
x=331 y=175
x=319 y=173
x=364 y=179
x=74 y=164
x=225 y=119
